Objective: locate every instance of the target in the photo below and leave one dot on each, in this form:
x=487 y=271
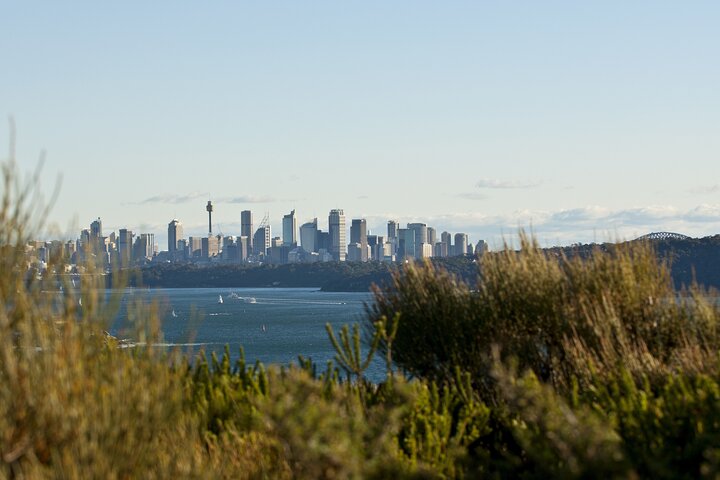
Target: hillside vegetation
x=546 y=367
x=690 y=261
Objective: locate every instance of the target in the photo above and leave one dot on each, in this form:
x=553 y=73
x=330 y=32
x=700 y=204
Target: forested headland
x=690 y=260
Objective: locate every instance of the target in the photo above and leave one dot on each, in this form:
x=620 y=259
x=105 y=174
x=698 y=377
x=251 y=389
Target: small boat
x=250 y=300
x=220 y=300
x=174 y=314
x=263 y=328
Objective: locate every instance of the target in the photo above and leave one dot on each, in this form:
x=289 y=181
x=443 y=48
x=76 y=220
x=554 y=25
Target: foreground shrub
x=562 y=318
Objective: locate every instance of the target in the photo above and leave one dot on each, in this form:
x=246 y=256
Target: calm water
x=272 y=325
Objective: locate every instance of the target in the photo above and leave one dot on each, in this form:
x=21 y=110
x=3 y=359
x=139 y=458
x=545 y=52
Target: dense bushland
x=549 y=367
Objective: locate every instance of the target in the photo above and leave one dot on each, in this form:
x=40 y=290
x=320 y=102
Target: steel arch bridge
x=664 y=236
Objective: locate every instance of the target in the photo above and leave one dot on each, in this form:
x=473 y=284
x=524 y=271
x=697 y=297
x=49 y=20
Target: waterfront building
x=336 y=229
x=289 y=229
x=309 y=236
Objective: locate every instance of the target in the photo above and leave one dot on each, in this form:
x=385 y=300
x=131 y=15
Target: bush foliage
x=551 y=367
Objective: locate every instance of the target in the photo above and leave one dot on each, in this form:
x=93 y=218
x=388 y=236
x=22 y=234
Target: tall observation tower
x=209 y=209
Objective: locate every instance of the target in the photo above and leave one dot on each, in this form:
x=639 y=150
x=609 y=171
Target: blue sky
x=585 y=120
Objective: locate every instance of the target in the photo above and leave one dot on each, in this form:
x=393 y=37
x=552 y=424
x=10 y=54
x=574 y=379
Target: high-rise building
x=289 y=229
x=481 y=248
x=309 y=236
x=392 y=229
x=125 y=246
x=246 y=226
x=431 y=236
x=406 y=243
x=323 y=241
x=96 y=228
x=392 y=235
x=358 y=235
x=354 y=252
x=421 y=239
x=261 y=240
x=461 y=241
x=195 y=247
x=336 y=229
x=175 y=233
x=210 y=247
x=144 y=247
x=446 y=239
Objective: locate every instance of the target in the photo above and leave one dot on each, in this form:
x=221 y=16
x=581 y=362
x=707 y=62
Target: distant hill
x=691 y=259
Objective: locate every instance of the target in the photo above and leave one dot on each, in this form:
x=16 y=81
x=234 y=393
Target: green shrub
x=562 y=318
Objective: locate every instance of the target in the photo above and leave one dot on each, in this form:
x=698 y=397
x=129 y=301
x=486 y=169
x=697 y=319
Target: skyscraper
x=446 y=239
x=175 y=233
x=336 y=229
x=308 y=236
x=289 y=229
x=96 y=228
x=261 y=240
x=421 y=239
x=461 y=241
x=246 y=227
x=392 y=235
x=358 y=235
x=124 y=246
x=406 y=243
x=144 y=246
x=431 y=236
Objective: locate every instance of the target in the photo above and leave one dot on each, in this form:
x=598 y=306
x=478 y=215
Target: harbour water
x=273 y=325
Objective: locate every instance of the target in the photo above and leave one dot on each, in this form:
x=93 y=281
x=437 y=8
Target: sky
x=580 y=121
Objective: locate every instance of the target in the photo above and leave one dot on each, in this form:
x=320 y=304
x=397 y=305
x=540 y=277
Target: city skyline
x=582 y=122
x=304 y=244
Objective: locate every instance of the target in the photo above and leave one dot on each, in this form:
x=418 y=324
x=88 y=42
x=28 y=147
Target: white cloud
x=506 y=184
x=563 y=227
x=170 y=198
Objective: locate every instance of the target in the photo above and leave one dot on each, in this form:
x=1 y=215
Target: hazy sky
x=585 y=120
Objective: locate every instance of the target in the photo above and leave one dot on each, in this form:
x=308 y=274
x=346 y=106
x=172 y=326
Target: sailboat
x=174 y=314
x=220 y=300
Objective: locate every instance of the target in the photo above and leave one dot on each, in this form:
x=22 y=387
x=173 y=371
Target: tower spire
x=209 y=209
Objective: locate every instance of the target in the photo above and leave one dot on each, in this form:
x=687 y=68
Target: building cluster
x=303 y=244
